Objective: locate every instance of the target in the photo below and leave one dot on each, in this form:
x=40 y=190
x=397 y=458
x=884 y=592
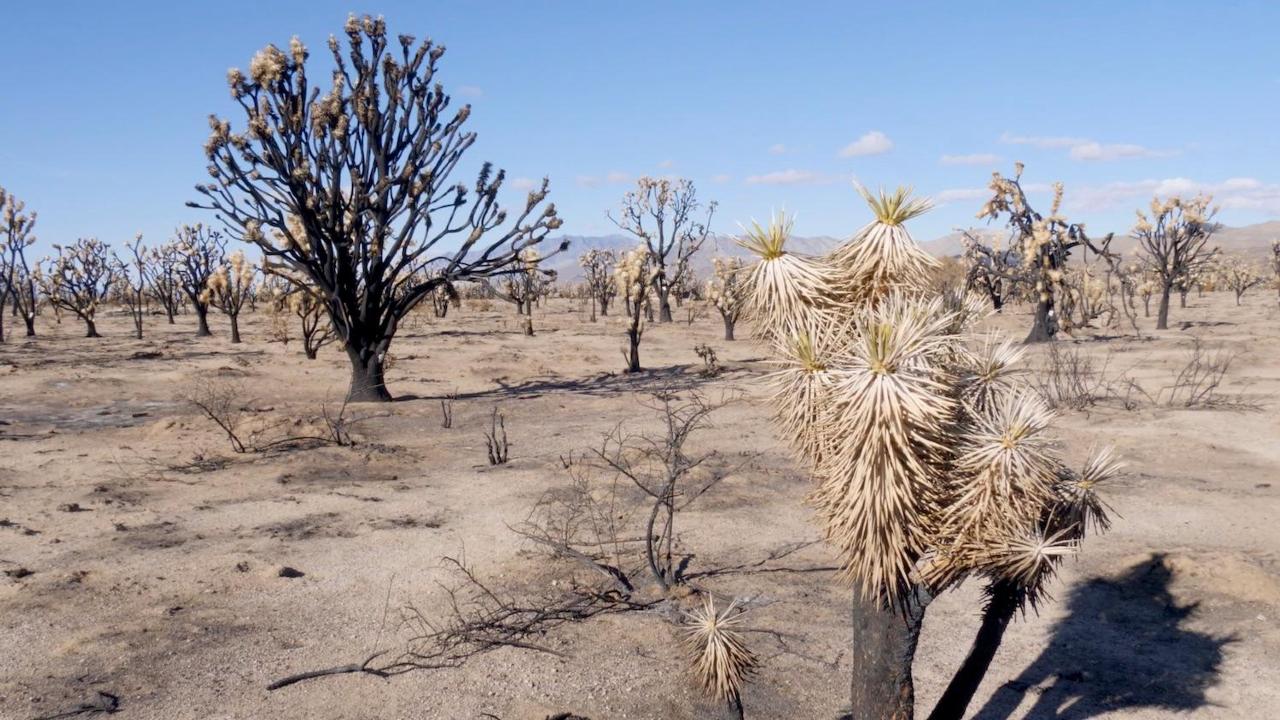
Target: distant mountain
x=1248 y=239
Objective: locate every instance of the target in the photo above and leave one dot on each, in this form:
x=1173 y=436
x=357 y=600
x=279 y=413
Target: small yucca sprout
x=897 y=207
x=721 y=661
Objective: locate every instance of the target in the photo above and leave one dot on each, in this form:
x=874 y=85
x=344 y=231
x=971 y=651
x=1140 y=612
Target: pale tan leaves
x=721 y=661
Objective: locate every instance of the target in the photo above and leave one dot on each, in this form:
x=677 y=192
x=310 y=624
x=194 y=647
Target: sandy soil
x=162 y=586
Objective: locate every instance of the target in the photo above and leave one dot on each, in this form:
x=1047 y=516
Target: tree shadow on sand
x=1123 y=644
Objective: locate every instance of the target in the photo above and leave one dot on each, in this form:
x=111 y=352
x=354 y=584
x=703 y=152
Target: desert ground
x=142 y=558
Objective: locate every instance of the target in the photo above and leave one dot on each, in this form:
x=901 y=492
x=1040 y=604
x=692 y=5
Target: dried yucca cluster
x=930 y=451
x=722 y=663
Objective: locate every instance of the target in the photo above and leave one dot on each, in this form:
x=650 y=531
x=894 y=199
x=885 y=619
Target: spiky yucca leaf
x=888 y=413
x=802 y=384
x=1007 y=466
x=1081 y=506
x=721 y=661
x=1029 y=560
x=990 y=372
x=882 y=256
x=769 y=242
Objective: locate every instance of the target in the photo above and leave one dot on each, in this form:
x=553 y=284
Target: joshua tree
x=18 y=281
x=660 y=213
x=727 y=290
x=166 y=278
x=201 y=252
x=1043 y=245
x=1275 y=263
x=930 y=452
x=230 y=288
x=349 y=188
x=1175 y=241
x=79 y=278
x=134 y=273
x=525 y=287
x=597 y=268
x=310 y=311
x=636 y=274
x=1241 y=277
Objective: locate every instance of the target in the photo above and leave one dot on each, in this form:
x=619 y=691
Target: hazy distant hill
x=1249 y=239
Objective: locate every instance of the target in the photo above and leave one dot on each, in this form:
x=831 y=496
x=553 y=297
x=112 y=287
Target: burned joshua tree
x=201 y=253
x=79 y=278
x=601 y=286
x=230 y=288
x=349 y=186
x=135 y=273
x=931 y=454
x=1042 y=245
x=727 y=290
x=17 y=279
x=1174 y=242
x=661 y=213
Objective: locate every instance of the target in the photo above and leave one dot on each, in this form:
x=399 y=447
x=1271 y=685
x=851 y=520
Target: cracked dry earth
x=143 y=559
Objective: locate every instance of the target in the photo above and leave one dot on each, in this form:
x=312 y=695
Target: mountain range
x=1246 y=240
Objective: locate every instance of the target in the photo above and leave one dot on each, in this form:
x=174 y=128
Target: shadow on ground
x=1123 y=644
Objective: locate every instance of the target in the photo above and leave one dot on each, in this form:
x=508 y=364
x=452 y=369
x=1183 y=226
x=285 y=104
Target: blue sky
x=763 y=105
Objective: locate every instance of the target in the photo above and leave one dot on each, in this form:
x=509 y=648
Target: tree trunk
x=528 y=326
x=1238 y=299
x=1 y=323
x=367 y=381
x=202 y=321
x=664 y=305
x=728 y=327
x=235 y=329
x=137 y=325
x=884 y=648
x=1162 y=311
x=995 y=619
x=168 y=311
x=604 y=307
x=90 y=329
x=1146 y=307
x=1182 y=299
x=1041 y=330
x=30 y=321
x=633 y=351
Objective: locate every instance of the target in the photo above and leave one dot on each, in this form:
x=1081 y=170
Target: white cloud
x=524 y=183
x=1234 y=193
x=1042 y=141
x=613 y=177
x=721 y=178
x=1086 y=149
x=872 y=143
x=789 y=177
x=961 y=195
x=666 y=163
x=778 y=149
x=973 y=159
x=470 y=91
x=1120 y=151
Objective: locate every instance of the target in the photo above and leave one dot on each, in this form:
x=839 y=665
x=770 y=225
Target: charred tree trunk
x=1162 y=311
x=633 y=353
x=235 y=329
x=1003 y=601
x=664 y=305
x=1042 y=329
x=528 y=326
x=30 y=321
x=202 y=320
x=884 y=648
x=604 y=307
x=728 y=327
x=90 y=328
x=368 y=383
